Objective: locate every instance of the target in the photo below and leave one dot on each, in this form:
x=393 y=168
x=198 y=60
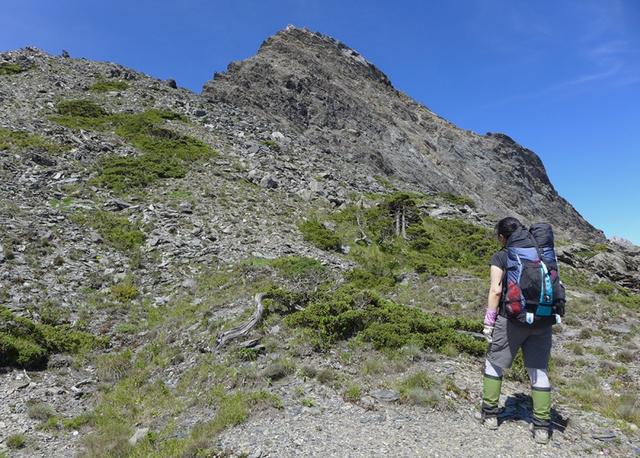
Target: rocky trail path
x=379 y=426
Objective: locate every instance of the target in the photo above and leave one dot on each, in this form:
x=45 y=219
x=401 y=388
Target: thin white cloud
x=604 y=47
x=558 y=88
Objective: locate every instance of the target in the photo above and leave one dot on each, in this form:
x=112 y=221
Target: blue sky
x=560 y=77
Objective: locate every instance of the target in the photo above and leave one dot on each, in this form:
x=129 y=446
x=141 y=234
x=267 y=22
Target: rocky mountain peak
x=344 y=107
x=322 y=49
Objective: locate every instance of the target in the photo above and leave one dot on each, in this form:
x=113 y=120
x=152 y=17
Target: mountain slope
x=329 y=94
x=140 y=220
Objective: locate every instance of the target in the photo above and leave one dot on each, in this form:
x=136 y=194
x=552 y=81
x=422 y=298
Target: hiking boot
x=490 y=421
x=541 y=435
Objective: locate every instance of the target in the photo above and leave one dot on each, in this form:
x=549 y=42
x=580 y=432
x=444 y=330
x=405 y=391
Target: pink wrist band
x=490 y=317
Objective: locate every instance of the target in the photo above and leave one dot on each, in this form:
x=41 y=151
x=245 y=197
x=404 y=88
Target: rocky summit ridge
x=329 y=94
x=141 y=221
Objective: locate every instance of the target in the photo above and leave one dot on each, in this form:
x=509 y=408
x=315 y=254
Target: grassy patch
x=23 y=140
x=40 y=411
x=421 y=389
x=9 y=68
x=83 y=109
x=109 y=86
x=295 y=267
x=618 y=294
x=77 y=422
x=113 y=366
x=587 y=390
x=116 y=230
x=373 y=366
x=136 y=400
x=353 y=393
x=24 y=343
x=315 y=232
x=16 y=441
x=278 y=369
x=165 y=153
x=629 y=300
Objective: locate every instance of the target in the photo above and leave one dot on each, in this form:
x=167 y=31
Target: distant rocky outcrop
x=347 y=108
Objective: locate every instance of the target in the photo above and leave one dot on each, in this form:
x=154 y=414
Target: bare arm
x=495 y=290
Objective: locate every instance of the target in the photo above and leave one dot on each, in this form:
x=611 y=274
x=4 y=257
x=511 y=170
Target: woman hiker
x=506 y=336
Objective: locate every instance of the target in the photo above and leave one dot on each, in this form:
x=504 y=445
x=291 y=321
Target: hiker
x=513 y=321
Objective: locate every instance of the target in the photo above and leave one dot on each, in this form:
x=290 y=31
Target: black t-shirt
x=499 y=259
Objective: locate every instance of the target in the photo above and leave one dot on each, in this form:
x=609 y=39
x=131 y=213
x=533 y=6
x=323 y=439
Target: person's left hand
x=488 y=333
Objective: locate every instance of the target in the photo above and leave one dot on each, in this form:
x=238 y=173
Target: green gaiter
x=541 y=403
x=491 y=390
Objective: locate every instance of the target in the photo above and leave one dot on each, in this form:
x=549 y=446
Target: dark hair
x=507 y=226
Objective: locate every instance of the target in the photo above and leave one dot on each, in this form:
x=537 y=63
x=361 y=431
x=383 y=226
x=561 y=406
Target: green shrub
x=349 y=312
x=21 y=351
x=272 y=145
x=575 y=278
x=123 y=173
x=457 y=199
x=53 y=313
x=308 y=372
x=125 y=292
x=166 y=154
x=65 y=339
x=365 y=279
x=599 y=247
x=8 y=68
x=517 y=372
x=426 y=245
x=24 y=343
x=116 y=230
x=576 y=348
x=626 y=356
x=50 y=424
x=109 y=86
x=313 y=231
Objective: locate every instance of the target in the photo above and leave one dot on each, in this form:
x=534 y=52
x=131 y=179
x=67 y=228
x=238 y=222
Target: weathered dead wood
x=242 y=329
x=477 y=335
x=363 y=237
x=404 y=224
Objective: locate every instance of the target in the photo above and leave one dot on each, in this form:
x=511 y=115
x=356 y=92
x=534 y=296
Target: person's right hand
x=488 y=333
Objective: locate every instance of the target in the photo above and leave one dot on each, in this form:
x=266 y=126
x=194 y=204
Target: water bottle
x=529 y=318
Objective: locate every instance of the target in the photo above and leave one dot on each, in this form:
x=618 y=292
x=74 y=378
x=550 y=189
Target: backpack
x=542 y=233
x=532 y=292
